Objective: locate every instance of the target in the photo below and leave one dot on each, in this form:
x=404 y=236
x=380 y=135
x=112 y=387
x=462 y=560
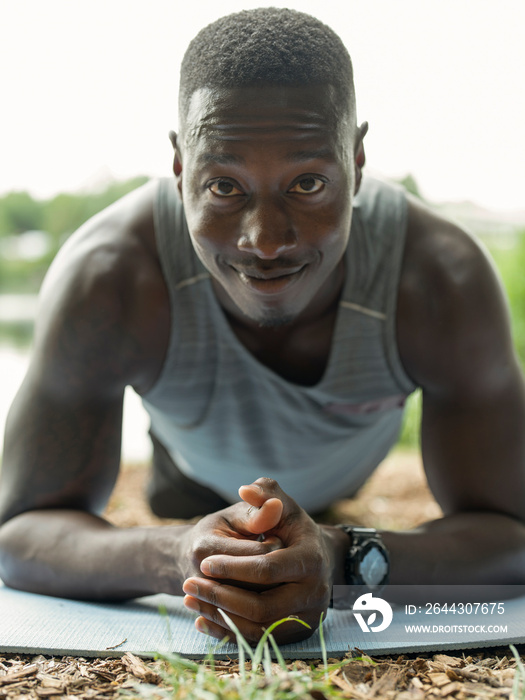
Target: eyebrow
x=297 y=156
x=325 y=152
x=221 y=158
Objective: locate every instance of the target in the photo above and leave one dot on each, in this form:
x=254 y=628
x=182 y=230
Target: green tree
x=410 y=185
x=511 y=265
x=19 y=212
x=59 y=216
x=65 y=213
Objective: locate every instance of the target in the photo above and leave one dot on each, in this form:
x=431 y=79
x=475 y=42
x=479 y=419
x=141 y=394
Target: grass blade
x=267 y=661
x=323 y=647
x=257 y=656
x=278 y=655
x=242 y=645
x=519 y=676
x=163 y=611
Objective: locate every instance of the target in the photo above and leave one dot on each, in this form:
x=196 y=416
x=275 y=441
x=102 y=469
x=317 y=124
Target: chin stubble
x=277 y=321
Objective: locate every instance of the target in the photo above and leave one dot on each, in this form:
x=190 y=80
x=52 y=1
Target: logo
x=367 y=603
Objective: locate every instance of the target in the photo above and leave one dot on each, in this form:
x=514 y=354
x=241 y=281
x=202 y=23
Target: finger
x=261 y=490
x=211 y=622
x=238 y=547
x=251 y=633
x=267 y=496
x=212 y=630
x=279 y=566
x=261 y=607
x=267 y=517
x=254 y=495
x=266 y=491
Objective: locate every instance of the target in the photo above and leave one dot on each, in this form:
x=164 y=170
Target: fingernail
x=192 y=604
x=254 y=486
x=200 y=624
x=207 y=567
x=190 y=588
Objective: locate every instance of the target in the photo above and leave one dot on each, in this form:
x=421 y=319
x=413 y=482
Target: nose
x=267 y=231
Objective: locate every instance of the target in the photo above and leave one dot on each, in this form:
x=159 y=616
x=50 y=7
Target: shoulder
x=452 y=319
x=104 y=310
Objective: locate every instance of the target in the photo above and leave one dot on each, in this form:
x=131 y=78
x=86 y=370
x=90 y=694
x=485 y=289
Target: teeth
x=271 y=277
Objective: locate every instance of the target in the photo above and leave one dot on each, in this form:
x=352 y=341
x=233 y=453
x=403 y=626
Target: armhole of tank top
x=391 y=290
x=164 y=220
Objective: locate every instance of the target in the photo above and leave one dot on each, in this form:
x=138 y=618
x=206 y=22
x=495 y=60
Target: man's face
x=267 y=183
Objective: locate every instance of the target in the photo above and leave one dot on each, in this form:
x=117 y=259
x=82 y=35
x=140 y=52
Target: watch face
x=373 y=567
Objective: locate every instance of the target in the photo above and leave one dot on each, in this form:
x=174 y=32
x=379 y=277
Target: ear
x=177 y=162
x=360 y=158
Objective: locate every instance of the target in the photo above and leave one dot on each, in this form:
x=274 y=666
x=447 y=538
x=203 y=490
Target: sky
x=89 y=89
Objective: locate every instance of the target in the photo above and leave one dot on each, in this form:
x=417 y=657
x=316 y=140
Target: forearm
x=466 y=548
x=74 y=554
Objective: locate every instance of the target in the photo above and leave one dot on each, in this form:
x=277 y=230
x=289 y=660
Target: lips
x=270 y=282
x=270 y=274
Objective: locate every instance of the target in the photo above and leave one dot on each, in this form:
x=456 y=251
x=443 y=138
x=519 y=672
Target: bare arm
x=60 y=465
x=455 y=341
x=62 y=446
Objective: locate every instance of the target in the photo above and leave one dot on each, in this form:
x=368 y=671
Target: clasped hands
x=259 y=560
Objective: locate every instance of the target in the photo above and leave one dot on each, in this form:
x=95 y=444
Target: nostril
x=267 y=230
x=267 y=246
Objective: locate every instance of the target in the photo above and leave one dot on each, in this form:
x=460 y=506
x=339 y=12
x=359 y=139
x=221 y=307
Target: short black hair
x=266 y=46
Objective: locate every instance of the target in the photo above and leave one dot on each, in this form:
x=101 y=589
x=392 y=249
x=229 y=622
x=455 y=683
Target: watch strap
x=362 y=539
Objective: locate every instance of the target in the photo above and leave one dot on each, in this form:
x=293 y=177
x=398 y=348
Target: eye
x=224 y=188
x=308 y=185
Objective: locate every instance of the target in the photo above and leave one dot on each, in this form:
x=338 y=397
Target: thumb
x=266 y=510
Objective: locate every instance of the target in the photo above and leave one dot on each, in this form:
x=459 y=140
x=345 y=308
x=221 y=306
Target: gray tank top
x=226 y=419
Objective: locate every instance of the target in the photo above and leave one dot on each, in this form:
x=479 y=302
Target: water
x=18 y=307
x=135 y=442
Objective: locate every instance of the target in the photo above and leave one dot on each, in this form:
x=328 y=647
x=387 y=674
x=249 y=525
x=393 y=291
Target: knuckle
x=199 y=551
x=323 y=594
x=325 y=589
x=267 y=483
x=314 y=564
x=318 y=598
x=212 y=597
x=254 y=634
x=270 y=545
x=310 y=567
x=213 y=616
x=290 y=518
x=317 y=563
x=265 y=570
x=260 y=611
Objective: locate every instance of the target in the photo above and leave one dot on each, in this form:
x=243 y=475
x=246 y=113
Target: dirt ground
x=396 y=497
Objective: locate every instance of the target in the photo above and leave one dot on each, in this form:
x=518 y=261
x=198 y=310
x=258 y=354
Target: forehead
x=305 y=113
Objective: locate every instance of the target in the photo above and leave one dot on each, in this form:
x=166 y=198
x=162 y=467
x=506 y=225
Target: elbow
x=8 y=558
x=16 y=553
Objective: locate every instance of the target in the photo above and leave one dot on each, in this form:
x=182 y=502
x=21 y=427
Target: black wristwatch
x=366 y=562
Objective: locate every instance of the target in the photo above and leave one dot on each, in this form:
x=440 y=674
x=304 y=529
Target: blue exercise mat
x=31 y=624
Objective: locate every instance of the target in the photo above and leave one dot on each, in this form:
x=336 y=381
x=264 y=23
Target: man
x=274 y=310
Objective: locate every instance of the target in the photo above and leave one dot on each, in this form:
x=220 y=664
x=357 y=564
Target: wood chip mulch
x=439 y=676
x=24 y=677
